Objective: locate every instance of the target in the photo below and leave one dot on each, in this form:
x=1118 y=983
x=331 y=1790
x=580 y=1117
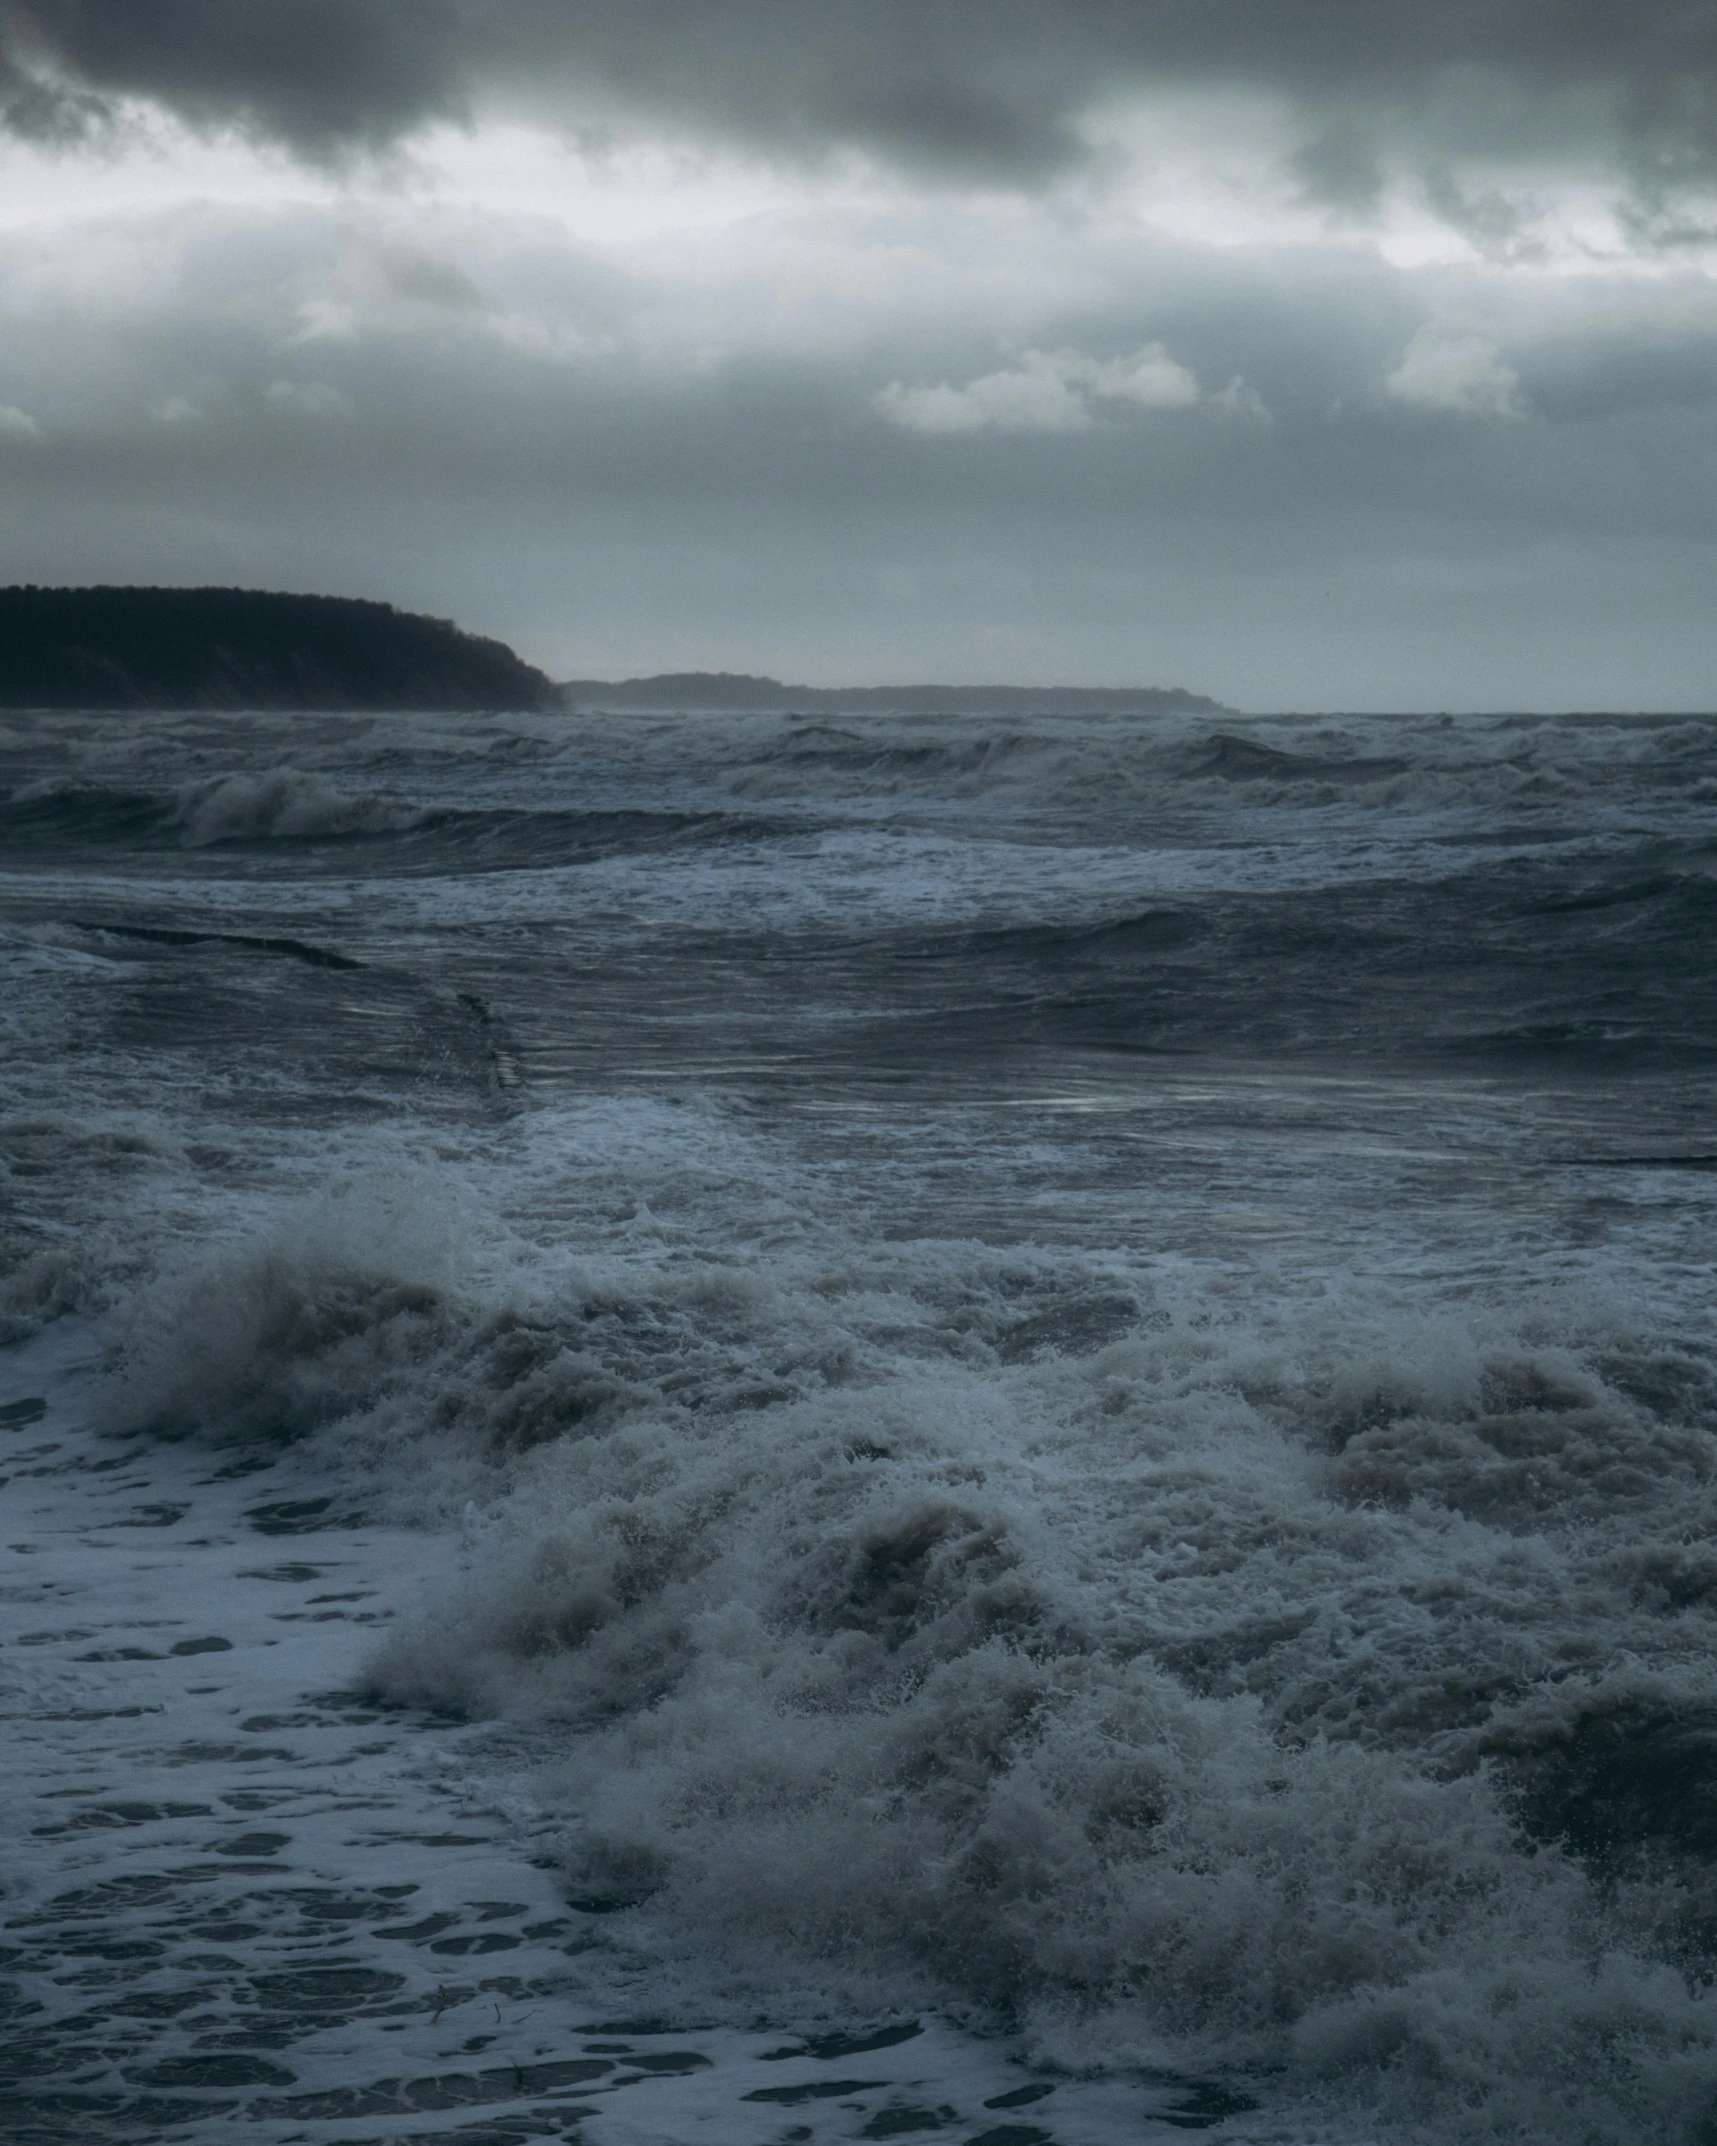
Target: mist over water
x=1034 y=1399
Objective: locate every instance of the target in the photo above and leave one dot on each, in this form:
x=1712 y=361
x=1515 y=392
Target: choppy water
x=750 y=1429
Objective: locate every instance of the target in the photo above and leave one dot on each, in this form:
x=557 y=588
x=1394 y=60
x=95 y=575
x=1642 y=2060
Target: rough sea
x=764 y=1429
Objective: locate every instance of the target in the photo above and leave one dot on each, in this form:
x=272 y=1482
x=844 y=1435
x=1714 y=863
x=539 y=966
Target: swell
x=306 y=822
x=1247 y=760
x=277 y=804
x=1549 y=963
x=1169 y=763
x=316 y=957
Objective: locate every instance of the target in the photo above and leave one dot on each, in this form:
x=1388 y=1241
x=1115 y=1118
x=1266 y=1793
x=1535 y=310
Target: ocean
x=744 y=1429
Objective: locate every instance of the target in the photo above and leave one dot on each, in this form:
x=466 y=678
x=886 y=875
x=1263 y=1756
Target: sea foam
x=1190 y=1684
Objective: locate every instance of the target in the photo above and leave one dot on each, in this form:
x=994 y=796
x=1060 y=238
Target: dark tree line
x=246 y=648
x=727 y=689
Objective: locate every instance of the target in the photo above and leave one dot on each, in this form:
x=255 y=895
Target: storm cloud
x=997 y=89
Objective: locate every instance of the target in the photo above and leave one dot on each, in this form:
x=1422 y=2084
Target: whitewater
x=748 y=1429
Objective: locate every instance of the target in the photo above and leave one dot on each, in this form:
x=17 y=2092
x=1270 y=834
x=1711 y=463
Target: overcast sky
x=1312 y=353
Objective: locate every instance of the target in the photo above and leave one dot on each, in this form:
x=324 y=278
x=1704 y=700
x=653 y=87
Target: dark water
x=1040 y=1388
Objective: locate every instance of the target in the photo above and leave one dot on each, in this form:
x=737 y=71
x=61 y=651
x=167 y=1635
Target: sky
x=1313 y=354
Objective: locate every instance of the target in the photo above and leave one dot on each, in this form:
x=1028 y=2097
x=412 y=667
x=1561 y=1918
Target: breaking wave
x=279 y=804
x=1171 y=1668
x=281 y=807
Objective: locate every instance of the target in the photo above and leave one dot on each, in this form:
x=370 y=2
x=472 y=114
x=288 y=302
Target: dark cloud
x=993 y=88
x=318 y=74
x=1339 y=165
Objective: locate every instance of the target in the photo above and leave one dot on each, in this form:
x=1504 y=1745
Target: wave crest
x=282 y=804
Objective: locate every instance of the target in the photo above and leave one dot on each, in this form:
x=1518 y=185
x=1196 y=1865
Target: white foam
x=280 y=803
x=235 y=1897
x=911 y=1646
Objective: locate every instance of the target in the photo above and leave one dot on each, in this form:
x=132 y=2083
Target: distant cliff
x=244 y=648
x=692 y=690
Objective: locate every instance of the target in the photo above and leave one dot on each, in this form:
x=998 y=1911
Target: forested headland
x=147 y=648
x=150 y=648
x=715 y=690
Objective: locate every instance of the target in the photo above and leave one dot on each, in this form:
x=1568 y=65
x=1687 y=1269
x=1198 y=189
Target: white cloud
x=1048 y=391
x=1463 y=374
x=1240 y=399
x=175 y=411
x=16 y=424
x=1035 y=397
x=1150 y=377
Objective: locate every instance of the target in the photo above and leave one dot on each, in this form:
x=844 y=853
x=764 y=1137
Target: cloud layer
x=995 y=88
x=864 y=436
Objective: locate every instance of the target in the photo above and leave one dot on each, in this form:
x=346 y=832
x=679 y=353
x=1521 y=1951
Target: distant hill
x=245 y=648
x=250 y=648
x=695 y=690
